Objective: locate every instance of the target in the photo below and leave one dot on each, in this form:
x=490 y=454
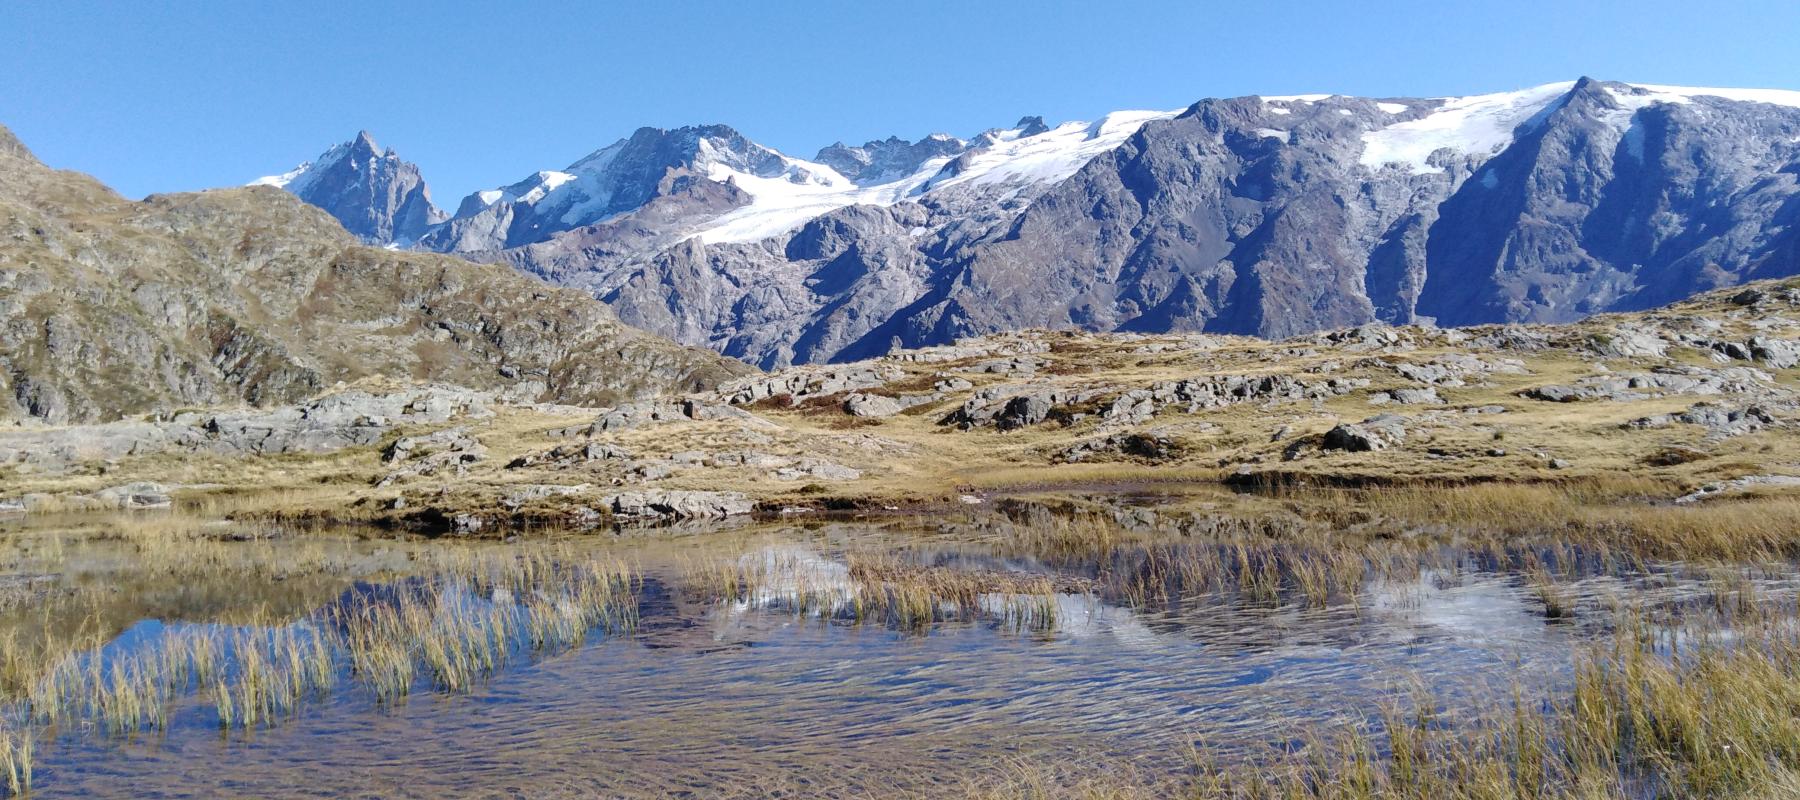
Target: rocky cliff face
x=1268 y=216
x=371 y=191
x=111 y=307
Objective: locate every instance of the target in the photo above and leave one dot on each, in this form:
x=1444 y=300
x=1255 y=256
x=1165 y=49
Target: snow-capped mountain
x=616 y=179
x=769 y=193
x=1266 y=215
x=371 y=191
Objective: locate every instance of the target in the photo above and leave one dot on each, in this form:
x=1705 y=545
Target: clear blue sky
x=198 y=94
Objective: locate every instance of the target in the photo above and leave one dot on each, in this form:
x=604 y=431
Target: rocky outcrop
x=796 y=386
x=632 y=416
x=1664 y=381
x=677 y=504
x=1720 y=421
x=1011 y=407
x=330 y=423
x=569 y=455
x=1149 y=446
x=448 y=452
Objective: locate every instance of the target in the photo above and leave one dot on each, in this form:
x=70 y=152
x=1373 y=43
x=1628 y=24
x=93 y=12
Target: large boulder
x=676 y=504
x=871 y=405
x=1374 y=433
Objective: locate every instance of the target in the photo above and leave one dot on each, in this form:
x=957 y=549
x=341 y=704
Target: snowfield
x=1000 y=160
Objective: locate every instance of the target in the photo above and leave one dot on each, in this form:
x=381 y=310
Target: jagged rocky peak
x=376 y=195
x=1031 y=126
x=890 y=159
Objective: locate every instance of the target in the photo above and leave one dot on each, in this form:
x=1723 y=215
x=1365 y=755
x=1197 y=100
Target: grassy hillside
x=111 y=307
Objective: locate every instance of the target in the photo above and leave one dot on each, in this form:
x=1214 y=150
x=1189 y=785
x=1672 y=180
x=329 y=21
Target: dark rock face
x=1270 y=217
x=889 y=159
x=376 y=196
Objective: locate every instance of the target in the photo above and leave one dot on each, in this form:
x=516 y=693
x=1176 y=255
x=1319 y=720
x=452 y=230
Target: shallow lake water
x=784 y=659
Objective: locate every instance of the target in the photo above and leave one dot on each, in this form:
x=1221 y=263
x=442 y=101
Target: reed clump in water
x=456 y=627
x=911 y=596
x=880 y=588
x=16 y=746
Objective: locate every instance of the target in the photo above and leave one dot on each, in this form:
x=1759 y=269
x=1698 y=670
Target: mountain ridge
x=1267 y=215
x=111 y=307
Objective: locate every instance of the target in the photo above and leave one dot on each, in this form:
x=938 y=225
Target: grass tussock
x=877 y=588
x=16 y=754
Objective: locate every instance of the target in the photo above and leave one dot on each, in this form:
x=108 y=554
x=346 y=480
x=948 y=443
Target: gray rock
x=650 y=470
x=677 y=504
x=1372 y=434
x=1146 y=446
x=1719 y=420
x=1776 y=353
x=1734 y=485
x=811 y=468
x=871 y=405
x=1025 y=410
x=524 y=495
x=1553 y=394
x=1427 y=395
x=571 y=455
x=1663 y=381
x=140 y=496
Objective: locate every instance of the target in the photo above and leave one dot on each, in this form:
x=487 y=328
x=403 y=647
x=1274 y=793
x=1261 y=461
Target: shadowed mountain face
x=371 y=191
x=111 y=307
x=1268 y=216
